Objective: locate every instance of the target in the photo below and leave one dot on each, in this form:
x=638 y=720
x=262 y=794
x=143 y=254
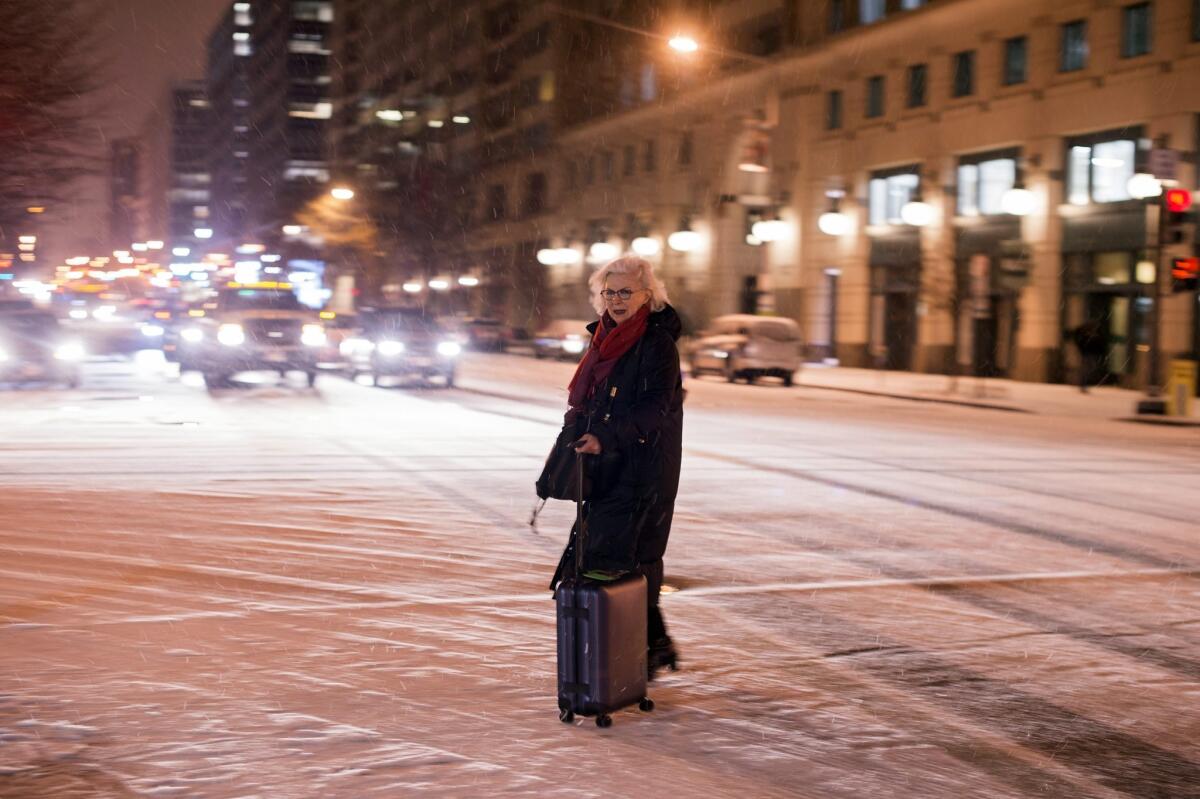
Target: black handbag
x=561 y=477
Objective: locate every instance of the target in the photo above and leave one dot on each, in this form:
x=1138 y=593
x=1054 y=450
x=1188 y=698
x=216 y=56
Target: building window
x=833 y=111
x=498 y=201
x=837 y=16
x=874 y=97
x=1099 y=171
x=909 y=5
x=964 y=74
x=649 y=156
x=1074 y=46
x=917 y=79
x=982 y=182
x=887 y=193
x=685 y=148
x=1136 y=30
x=589 y=170
x=1196 y=20
x=871 y=10
x=609 y=164
x=629 y=160
x=535 y=194
x=1016 y=60
x=315 y=11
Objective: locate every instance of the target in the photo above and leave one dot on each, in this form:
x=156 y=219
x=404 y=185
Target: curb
x=987 y=406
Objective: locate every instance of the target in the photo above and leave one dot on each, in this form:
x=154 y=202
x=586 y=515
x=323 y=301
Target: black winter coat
x=630 y=522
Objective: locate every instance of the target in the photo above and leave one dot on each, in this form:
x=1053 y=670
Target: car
x=744 y=346
x=562 y=338
x=254 y=327
x=34 y=347
x=402 y=342
x=484 y=334
x=339 y=326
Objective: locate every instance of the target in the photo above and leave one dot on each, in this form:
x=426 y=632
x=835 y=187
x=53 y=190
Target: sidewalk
x=1104 y=402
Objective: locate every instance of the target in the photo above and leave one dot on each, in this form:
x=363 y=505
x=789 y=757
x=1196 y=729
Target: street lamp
x=646 y=246
x=292 y=230
x=916 y=212
x=342 y=193
x=683 y=44
x=1143 y=186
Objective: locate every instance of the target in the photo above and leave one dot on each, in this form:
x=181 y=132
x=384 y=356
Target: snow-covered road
x=280 y=592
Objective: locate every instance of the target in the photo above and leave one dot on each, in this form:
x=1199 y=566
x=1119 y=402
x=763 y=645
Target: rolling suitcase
x=601 y=640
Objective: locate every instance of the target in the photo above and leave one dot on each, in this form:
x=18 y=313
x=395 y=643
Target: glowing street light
x=683 y=44
x=468 y=281
x=203 y=233
x=342 y=193
x=292 y=230
x=646 y=246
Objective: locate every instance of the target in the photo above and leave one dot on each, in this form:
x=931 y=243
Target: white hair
x=633 y=265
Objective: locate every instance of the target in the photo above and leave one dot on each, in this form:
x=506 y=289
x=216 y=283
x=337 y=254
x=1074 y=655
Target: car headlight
x=150 y=331
x=78 y=313
x=69 y=352
x=390 y=347
x=312 y=335
x=449 y=348
x=192 y=334
x=231 y=335
x=354 y=345
x=573 y=345
x=3 y=356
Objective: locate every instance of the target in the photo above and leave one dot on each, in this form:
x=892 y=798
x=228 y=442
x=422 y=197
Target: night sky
x=149 y=43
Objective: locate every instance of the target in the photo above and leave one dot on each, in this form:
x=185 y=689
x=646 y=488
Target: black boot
x=662 y=654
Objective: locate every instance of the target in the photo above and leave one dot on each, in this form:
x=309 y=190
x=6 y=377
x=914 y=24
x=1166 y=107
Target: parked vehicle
x=402 y=342
x=742 y=346
x=562 y=338
x=34 y=347
x=484 y=334
x=339 y=328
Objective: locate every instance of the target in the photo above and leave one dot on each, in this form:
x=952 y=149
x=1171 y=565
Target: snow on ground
x=276 y=592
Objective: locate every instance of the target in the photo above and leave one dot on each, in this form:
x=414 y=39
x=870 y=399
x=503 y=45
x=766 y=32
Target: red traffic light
x=1177 y=200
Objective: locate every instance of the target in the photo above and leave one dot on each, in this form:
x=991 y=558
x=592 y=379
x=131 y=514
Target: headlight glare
x=231 y=335
x=449 y=348
x=573 y=345
x=150 y=331
x=390 y=347
x=69 y=352
x=192 y=334
x=353 y=345
x=312 y=335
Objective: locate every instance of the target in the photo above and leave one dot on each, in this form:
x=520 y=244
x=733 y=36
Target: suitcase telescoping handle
x=579 y=532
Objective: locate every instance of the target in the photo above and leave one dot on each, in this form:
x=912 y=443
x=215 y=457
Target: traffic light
x=1185 y=274
x=1177 y=204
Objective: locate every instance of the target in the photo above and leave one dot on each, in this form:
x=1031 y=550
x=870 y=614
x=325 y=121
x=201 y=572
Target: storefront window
x=982 y=184
x=1111 y=268
x=1100 y=172
x=887 y=194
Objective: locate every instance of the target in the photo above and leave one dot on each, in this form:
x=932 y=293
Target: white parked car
x=742 y=346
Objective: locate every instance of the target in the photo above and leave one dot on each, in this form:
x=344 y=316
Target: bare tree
x=348 y=234
x=46 y=142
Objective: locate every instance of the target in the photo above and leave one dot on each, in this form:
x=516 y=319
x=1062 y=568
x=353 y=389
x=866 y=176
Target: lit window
x=311 y=110
x=983 y=183
x=871 y=10
x=242 y=18
x=243 y=48
x=1100 y=172
x=909 y=5
x=241 y=36
x=316 y=11
x=306 y=46
x=887 y=194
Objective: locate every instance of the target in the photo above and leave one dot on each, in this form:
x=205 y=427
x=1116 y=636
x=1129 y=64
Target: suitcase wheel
x=566 y=716
x=604 y=720
x=646 y=705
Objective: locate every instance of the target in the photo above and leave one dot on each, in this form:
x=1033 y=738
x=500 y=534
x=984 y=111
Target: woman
x=627 y=397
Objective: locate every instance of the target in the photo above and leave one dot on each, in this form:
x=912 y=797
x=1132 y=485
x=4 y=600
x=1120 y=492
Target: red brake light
x=1178 y=200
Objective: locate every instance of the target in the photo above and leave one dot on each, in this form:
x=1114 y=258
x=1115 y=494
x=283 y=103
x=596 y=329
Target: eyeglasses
x=625 y=294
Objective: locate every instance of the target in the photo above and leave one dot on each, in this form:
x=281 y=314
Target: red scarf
x=609 y=343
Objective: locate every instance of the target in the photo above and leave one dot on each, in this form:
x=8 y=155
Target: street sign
x=1163 y=163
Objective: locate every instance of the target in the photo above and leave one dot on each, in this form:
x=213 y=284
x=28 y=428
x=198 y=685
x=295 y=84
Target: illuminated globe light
x=646 y=246
x=154 y=244
x=468 y=281
x=342 y=193
x=439 y=285
x=203 y=233
x=834 y=223
x=292 y=230
x=683 y=240
x=549 y=257
x=917 y=213
x=1143 y=185
x=181 y=252
x=1017 y=202
x=413 y=287
x=603 y=251
x=769 y=229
